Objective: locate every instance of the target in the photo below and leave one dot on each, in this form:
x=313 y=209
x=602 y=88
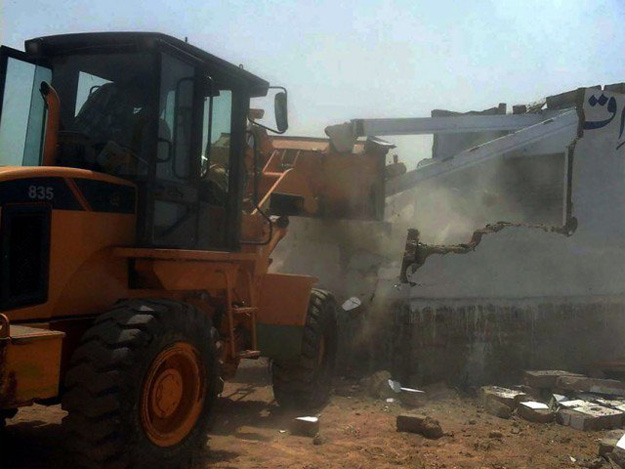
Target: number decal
x=41 y=192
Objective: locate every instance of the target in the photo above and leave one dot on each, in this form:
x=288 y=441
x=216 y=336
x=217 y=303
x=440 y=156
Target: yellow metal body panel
x=84 y=276
x=284 y=299
x=30 y=365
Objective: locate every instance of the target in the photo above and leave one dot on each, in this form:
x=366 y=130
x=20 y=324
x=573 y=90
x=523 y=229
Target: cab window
x=22 y=124
x=216 y=153
x=175 y=120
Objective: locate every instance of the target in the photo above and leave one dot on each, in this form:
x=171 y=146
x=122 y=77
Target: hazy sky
x=344 y=60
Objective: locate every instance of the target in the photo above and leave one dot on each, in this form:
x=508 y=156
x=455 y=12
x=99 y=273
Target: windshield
x=105 y=103
x=105 y=107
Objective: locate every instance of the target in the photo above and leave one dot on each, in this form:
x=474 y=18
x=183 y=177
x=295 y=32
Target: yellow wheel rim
x=172 y=395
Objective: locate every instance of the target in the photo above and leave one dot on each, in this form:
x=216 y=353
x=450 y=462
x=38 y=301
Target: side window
x=175 y=218
x=216 y=147
x=175 y=120
x=23 y=113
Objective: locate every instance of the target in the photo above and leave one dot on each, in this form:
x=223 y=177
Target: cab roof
x=66 y=44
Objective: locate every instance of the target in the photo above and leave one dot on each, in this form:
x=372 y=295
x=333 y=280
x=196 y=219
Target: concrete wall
x=528 y=262
x=487 y=341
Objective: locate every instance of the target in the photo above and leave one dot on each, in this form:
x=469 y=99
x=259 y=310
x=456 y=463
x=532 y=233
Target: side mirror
x=281 y=112
x=261 y=114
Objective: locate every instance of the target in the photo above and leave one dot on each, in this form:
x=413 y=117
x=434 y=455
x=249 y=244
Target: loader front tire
x=142 y=386
x=306 y=383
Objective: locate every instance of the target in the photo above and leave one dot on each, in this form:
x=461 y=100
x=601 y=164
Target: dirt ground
x=357 y=431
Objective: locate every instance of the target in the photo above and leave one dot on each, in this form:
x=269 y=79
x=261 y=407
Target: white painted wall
x=526 y=262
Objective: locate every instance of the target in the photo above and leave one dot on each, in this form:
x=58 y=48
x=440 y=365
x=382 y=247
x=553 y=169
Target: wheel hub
x=167 y=393
x=172 y=395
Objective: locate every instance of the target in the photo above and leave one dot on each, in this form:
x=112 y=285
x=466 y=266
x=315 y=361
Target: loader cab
x=144 y=107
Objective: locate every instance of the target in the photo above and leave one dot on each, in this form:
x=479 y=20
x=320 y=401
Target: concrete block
x=545 y=378
x=497 y=408
x=421 y=424
x=592 y=385
x=606 y=445
x=609 y=441
x=595 y=417
x=536 y=412
x=563 y=416
x=506 y=396
x=590 y=416
x=612 y=403
x=305 y=426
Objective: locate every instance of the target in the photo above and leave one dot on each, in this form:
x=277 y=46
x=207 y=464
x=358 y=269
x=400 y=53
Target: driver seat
x=106 y=115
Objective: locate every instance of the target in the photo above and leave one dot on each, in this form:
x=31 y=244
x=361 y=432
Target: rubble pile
x=570 y=399
x=580 y=402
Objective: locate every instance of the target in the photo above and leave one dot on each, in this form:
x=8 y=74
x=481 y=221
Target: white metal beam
x=446 y=125
x=567 y=121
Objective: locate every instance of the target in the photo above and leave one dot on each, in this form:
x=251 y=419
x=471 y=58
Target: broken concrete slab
x=609 y=441
x=592 y=385
x=545 y=378
x=497 y=408
x=590 y=416
x=555 y=401
x=573 y=404
x=537 y=412
x=506 y=396
x=421 y=424
x=305 y=426
x=618 y=453
x=595 y=418
x=606 y=445
x=617 y=404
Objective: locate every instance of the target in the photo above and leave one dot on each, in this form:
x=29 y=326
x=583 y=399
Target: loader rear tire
x=141 y=386
x=306 y=383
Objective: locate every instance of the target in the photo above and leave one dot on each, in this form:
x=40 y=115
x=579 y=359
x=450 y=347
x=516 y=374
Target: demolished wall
x=526 y=297
x=521 y=297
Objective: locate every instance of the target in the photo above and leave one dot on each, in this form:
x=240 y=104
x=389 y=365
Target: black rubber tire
x=306 y=383
x=105 y=379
